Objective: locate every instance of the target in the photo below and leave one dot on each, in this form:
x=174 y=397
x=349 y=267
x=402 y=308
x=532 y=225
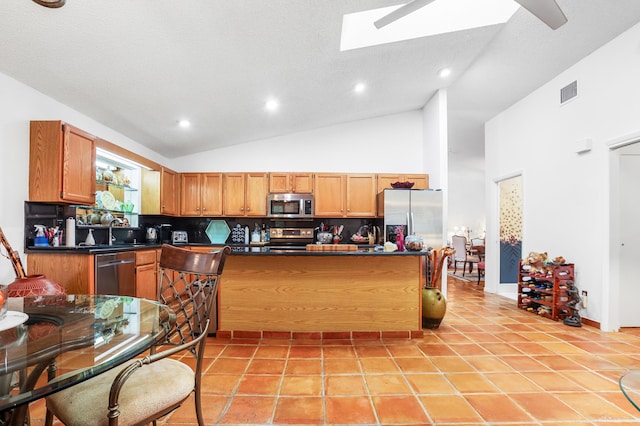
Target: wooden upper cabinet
x=211 y=194
x=329 y=194
x=245 y=194
x=257 y=190
x=294 y=183
x=169 y=192
x=150 y=191
x=385 y=180
x=361 y=195
x=233 y=194
x=61 y=164
x=201 y=194
x=345 y=195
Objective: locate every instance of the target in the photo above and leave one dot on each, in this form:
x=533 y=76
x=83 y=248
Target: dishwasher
x=115 y=273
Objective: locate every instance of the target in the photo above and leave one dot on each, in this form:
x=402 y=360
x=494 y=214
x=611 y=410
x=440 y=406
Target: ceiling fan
x=547 y=11
x=50 y=3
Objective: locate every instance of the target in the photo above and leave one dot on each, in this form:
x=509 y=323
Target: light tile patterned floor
x=488 y=364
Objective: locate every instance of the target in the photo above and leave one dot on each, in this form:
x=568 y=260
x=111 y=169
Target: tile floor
x=488 y=364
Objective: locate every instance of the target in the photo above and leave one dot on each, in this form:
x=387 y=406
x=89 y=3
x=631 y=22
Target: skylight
x=439 y=17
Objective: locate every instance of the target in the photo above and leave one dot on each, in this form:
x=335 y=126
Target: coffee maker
x=164 y=233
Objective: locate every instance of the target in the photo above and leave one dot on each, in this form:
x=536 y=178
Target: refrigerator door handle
x=413 y=224
x=408 y=224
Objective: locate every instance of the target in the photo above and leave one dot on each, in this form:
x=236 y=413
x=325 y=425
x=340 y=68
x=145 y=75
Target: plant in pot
x=434 y=303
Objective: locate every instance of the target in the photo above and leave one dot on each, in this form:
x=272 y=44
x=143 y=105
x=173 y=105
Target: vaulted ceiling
x=139 y=66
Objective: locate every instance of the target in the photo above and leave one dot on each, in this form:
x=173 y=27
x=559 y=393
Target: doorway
x=629 y=235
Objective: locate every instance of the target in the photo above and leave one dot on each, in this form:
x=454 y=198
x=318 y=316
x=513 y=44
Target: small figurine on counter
x=400 y=241
x=573 y=320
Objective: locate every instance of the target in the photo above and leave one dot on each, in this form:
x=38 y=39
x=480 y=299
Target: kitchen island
x=275 y=292
x=354 y=294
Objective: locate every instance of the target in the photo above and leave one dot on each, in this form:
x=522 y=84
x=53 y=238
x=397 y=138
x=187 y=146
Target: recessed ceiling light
x=359 y=88
x=445 y=72
x=184 y=123
x=271 y=105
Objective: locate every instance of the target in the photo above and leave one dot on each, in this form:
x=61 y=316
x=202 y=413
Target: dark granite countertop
x=241 y=249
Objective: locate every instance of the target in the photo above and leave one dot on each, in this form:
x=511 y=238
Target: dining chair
x=459 y=243
x=152 y=387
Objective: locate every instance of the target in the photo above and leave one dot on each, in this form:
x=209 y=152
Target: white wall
x=566 y=194
x=466 y=195
x=20 y=104
x=388 y=144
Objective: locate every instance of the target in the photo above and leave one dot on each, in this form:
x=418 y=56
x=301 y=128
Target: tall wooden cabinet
x=245 y=194
x=61 y=164
x=201 y=194
x=545 y=293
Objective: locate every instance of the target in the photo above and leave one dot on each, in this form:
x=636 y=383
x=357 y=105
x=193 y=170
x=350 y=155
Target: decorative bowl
x=413 y=242
x=403 y=185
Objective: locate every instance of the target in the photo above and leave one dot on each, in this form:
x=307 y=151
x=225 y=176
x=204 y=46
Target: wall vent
x=569 y=91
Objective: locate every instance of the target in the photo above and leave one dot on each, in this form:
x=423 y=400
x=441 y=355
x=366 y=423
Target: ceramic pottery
x=434 y=306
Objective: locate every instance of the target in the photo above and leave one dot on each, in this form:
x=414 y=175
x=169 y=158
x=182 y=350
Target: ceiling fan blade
x=408 y=8
x=547 y=11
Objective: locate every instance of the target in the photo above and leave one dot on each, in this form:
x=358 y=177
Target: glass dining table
x=49 y=343
x=630 y=386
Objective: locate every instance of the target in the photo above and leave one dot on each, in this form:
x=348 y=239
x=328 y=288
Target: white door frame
x=611 y=267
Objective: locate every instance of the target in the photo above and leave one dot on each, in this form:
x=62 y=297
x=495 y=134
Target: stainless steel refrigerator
x=418 y=211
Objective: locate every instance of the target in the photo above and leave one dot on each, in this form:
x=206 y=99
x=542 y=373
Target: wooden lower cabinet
x=74 y=272
x=146 y=274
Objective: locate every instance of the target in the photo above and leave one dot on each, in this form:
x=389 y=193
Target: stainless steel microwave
x=290 y=205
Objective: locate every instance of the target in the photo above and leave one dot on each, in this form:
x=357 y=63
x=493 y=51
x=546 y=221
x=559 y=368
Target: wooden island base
x=320 y=296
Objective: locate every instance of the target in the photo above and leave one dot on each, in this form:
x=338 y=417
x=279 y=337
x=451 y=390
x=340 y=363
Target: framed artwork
x=510 y=191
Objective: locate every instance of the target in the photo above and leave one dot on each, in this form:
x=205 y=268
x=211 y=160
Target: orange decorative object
x=34 y=285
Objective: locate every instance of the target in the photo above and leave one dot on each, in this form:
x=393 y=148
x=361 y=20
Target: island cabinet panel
x=321 y=293
x=74 y=272
x=61 y=163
